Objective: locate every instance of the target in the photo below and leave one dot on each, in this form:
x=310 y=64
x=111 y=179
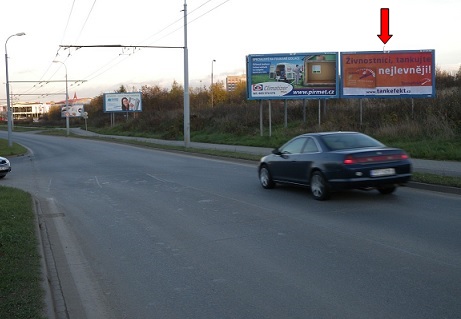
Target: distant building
x=36 y=110
x=233 y=80
x=29 y=110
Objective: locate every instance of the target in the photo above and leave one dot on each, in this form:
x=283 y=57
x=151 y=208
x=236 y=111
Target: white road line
x=97 y=181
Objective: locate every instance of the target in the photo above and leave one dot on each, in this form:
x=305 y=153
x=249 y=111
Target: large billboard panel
x=292 y=76
x=74 y=110
x=122 y=102
x=388 y=74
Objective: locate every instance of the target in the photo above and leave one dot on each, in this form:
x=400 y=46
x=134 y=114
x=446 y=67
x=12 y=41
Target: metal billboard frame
x=388 y=74
x=112 y=102
x=280 y=76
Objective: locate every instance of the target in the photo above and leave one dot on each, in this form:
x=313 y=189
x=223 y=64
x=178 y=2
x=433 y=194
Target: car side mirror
x=276 y=151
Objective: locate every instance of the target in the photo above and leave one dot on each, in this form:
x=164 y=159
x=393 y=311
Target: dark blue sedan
x=332 y=161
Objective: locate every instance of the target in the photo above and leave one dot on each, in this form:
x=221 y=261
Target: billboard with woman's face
x=122 y=102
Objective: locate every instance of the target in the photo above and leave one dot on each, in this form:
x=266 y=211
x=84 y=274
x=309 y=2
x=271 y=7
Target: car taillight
x=349 y=160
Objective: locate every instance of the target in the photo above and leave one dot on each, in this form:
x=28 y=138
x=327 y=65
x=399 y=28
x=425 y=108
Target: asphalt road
x=137 y=233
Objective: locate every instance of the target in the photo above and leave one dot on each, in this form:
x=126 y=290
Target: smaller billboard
x=74 y=110
x=122 y=102
x=388 y=74
x=292 y=76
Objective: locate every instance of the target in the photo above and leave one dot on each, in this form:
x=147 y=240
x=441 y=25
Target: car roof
x=329 y=133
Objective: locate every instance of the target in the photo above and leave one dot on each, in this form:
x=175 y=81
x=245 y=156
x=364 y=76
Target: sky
x=222 y=30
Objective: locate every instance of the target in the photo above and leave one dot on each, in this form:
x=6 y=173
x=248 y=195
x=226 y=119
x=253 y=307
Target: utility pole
x=186 y=84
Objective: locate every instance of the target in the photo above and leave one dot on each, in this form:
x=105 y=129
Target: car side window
x=294 y=147
x=311 y=146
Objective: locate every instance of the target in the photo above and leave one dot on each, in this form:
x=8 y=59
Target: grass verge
x=6 y=151
x=434 y=179
x=21 y=294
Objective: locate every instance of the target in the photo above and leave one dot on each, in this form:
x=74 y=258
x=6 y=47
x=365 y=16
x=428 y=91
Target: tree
x=219 y=93
x=176 y=96
x=458 y=77
x=239 y=95
x=122 y=89
x=444 y=79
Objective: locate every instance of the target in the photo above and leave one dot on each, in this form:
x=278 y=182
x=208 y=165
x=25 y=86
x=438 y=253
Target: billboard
x=388 y=74
x=122 y=102
x=292 y=76
x=75 y=110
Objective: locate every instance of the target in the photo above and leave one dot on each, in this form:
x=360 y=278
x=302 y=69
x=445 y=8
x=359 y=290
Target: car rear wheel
x=265 y=177
x=386 y=189
x=319 y=186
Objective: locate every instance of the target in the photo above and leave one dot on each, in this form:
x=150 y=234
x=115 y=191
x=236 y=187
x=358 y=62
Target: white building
x=24 y=110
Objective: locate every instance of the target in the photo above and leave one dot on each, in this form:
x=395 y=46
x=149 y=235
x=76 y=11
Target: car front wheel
x=265 y=177
x=319 y=186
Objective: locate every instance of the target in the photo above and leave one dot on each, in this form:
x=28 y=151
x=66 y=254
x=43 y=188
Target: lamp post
x=67 y=98
x=211 y=88
x=8 y=106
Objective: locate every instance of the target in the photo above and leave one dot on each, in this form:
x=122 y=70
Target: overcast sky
x=221 y=30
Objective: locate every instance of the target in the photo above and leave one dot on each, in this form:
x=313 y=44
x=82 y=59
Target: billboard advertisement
x=122 y=102
x=292 y=76
x=75 y=110
x=388 y=74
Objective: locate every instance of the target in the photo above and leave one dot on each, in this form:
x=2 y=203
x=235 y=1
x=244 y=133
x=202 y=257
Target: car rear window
x=347 y=141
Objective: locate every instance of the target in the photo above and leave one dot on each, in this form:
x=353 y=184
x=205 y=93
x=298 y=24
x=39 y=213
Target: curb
x=435 y=188
x=55 y=306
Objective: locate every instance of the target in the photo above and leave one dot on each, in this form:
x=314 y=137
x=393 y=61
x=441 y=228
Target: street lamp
x=67 y=98
x=8 y=106
x=211 y=88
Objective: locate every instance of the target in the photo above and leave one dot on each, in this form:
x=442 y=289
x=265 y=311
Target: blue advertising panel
x=292 y=76
x=122 y=102
x=388 y=74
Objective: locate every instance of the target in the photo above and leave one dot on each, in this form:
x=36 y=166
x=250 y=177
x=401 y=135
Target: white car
x=5 y=167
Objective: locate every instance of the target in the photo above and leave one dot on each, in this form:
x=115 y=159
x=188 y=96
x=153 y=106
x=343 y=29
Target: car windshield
x=344 y=141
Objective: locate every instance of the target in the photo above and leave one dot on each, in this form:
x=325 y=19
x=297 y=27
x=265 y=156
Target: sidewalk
x=445 y=168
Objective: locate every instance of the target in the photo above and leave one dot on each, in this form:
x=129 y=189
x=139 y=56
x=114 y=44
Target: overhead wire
x=34 y=88
x=86 y=20
x=160 y=31
x=113 y=62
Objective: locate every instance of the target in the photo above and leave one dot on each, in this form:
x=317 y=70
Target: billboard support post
x=270 y=118
x=320 y=110
x=285 y=104
x=261 y=117
x=361 y=112
x=412 y=108
x=304 y=111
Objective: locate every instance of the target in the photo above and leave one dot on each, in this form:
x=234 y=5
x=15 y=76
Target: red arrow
x=385 y=36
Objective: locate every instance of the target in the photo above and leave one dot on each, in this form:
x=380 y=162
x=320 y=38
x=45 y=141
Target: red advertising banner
x=388 y=74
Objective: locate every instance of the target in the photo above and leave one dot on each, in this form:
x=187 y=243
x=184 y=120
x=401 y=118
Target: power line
x=110 y=65
x=68 y=20
x=86 y=20
x=141 y=46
